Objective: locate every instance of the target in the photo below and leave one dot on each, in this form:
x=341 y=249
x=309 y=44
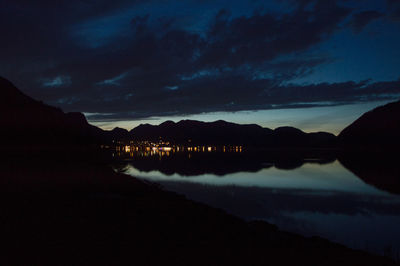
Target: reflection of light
x=154 y=148
x=166 y=148
x=127 y=149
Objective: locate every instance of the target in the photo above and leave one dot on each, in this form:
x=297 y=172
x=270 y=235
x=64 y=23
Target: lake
x=309 y=194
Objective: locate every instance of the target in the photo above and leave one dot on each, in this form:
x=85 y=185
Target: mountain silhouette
x=196 y=132
x=190 y=132
x=30 y=122
x=376 y=129
x=27 y=122
x=117 y=134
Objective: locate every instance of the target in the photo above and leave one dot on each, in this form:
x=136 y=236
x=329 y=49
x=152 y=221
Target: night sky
x=316 y=65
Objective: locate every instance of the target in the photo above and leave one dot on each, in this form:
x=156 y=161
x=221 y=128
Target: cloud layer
x=137 y=59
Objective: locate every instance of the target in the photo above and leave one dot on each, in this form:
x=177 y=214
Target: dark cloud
x=204 y=95
x=95 y=56
x=394 y=9
x=71 y=10
x=263 y=37
x=392 y=3
x=362 y=19
x=395 y=14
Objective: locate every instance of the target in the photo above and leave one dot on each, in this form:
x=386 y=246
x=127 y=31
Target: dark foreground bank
x=67 y=210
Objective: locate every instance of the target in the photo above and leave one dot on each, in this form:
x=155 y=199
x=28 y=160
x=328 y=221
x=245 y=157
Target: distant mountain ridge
x=27 y=121
x=226 y=133
x=30 y=122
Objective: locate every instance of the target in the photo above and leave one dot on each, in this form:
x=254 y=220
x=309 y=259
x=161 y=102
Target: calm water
x=307 y=196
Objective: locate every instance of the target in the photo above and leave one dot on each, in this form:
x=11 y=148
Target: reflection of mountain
x=225 y=163
x=30 y=122
x=224 y=133
x=379 y=128
x=377 y=169
x=377 y=134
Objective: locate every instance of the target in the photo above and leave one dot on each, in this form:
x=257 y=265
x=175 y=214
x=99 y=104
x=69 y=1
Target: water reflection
x=308 y=193
x=220 y=161
x=377 y=169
